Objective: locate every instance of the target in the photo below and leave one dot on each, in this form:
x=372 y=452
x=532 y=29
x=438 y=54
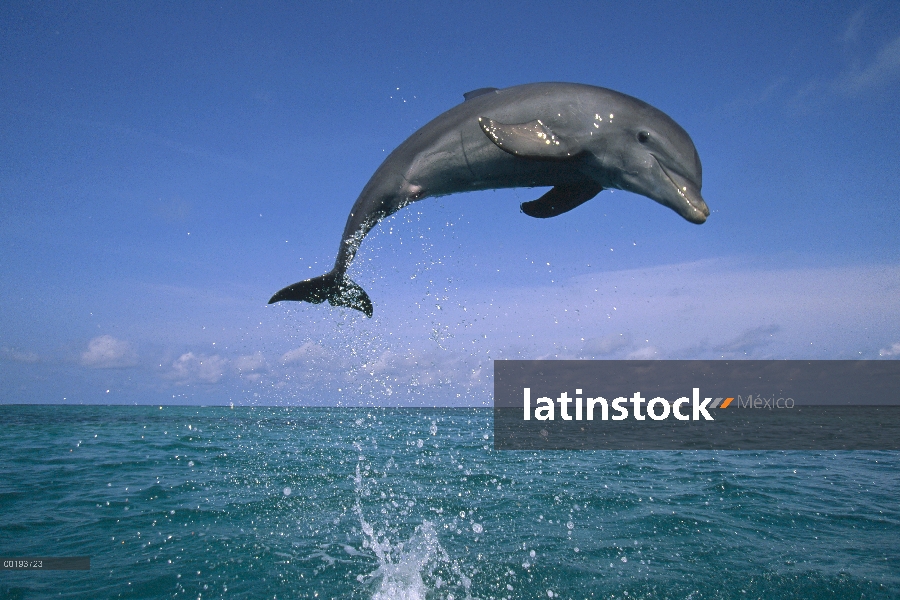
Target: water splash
x=411 y=570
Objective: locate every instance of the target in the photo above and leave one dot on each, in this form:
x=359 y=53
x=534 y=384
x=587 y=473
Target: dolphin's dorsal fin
x=561 y=199
x=528 y=140
x=478 y=92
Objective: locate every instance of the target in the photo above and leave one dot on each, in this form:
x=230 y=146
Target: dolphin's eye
x=643 y=136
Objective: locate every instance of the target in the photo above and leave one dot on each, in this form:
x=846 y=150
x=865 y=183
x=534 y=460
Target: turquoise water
x=191 y=502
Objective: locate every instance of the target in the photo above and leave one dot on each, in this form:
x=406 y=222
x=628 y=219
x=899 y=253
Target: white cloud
x=194 y=368
x=894 y=350
x=250 y=362
x=748 y=341
x=106 y=352
x=16 y=355
x=646 y=353
x=424 y=376
x=754 y=98
x=602 y=346
x=883 y=69
x=876 y=72
x=250 y=366
x=854 y=26
x=309 y=351
x=706 y=309
x=723 y=308
x=373 y=371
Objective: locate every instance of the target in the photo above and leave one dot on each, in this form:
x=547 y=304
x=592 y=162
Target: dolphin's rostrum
x=580 y=139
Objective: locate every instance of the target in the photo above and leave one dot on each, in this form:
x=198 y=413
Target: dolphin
x=580 y=139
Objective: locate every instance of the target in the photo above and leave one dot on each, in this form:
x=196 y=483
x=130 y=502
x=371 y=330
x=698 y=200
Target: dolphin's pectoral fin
x=560 y=199
x=528 y=140
x=338 y=290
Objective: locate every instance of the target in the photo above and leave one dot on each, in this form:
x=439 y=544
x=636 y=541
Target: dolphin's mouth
x=693 y=208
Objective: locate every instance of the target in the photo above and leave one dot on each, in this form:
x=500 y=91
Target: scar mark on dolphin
x=462 y=144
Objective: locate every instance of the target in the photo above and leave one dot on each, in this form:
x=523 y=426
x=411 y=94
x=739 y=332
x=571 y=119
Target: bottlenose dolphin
x=580 y=139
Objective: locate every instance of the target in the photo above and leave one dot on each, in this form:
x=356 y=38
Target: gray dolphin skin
x=580 y=139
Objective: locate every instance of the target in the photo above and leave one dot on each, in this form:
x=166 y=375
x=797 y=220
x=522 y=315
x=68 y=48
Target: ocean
x=379 y=503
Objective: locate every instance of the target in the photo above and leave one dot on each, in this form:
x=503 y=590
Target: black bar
x=45 y=563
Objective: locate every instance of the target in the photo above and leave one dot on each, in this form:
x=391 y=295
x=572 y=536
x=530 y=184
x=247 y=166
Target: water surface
x=214 y=502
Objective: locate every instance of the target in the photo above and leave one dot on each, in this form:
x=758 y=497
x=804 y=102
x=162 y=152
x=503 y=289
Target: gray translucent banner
x=698 y=405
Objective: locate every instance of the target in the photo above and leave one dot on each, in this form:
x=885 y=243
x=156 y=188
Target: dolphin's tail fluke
x=338 y=289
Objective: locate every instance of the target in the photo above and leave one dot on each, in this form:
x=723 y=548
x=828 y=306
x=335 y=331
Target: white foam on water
x=406 y=570
x=401 y=578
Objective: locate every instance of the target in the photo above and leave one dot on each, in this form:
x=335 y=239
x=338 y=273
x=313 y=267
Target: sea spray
x=411 y=570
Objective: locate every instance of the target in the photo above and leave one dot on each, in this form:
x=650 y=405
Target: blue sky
x=166 y=167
